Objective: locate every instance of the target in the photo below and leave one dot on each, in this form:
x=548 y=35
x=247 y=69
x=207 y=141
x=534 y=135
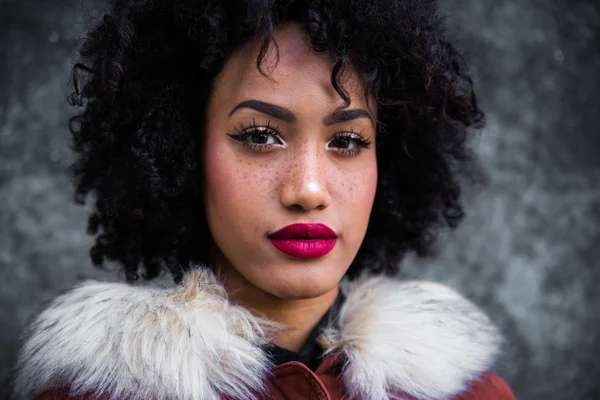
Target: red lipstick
x=304 y=240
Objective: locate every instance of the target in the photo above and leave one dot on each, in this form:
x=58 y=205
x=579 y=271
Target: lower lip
x=304 y=248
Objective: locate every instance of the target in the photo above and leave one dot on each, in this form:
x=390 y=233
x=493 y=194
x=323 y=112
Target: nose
x=305 y=183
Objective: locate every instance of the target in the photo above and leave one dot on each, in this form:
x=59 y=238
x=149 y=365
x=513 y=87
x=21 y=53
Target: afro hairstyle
x=146 y=67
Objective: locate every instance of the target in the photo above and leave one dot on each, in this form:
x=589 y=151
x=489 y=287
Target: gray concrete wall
x=528 y=251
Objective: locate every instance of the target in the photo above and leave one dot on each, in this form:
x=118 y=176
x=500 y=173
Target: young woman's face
x=275 y=155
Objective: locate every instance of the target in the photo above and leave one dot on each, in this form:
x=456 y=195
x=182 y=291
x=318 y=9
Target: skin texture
x=305 y=177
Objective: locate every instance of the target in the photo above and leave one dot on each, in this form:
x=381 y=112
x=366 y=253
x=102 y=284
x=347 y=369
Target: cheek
x=234 y=184
x=369 y=187
x=356 y=189
x=219 y=174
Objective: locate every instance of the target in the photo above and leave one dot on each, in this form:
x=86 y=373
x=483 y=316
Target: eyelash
x=244 y=131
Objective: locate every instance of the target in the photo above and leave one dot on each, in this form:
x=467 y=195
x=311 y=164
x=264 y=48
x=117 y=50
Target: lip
x=304 y=240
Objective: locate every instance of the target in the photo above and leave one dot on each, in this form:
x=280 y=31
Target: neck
x=300 y=316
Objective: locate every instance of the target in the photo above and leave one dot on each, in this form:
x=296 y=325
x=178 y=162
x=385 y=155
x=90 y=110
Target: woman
x=262 y=151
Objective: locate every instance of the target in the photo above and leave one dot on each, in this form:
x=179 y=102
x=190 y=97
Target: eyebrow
x=284 y=114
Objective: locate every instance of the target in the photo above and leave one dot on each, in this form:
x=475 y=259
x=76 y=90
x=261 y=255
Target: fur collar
x=188 y=342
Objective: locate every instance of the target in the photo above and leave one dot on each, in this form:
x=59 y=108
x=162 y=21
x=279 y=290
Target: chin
x=298 y=293
x=297 y=286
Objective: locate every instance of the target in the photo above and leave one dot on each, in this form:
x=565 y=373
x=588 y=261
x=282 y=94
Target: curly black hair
x=147 y=67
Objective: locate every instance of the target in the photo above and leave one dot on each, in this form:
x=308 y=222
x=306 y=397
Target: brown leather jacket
x=294 y=381
x=390 y=340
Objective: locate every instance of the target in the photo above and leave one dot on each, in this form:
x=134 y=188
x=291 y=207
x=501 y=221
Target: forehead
x=299 y=73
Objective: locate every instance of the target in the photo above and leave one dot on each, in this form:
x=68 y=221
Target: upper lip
x=304 y=231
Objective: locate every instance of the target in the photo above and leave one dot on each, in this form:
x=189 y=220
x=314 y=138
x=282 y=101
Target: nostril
x=296 y=207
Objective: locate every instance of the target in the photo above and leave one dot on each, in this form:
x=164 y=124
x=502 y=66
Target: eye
x=349 y=143
x=257 y=137
x=345 y=142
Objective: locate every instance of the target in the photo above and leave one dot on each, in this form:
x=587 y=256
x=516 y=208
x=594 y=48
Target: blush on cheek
x=235 y=179
x=215 y=174
x=369 y=188
x=359 y=188
x=219 y=170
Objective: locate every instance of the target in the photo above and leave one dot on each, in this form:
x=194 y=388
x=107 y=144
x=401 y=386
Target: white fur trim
x=183 y=343
x=419 y=338
x=189 y=342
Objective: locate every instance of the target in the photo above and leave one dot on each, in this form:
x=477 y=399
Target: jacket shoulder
x=489 y=387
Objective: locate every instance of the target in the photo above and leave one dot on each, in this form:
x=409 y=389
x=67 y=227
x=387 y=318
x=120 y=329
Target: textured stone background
x=528 y=251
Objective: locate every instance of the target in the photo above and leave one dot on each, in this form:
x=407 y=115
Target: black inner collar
x=311 y=352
